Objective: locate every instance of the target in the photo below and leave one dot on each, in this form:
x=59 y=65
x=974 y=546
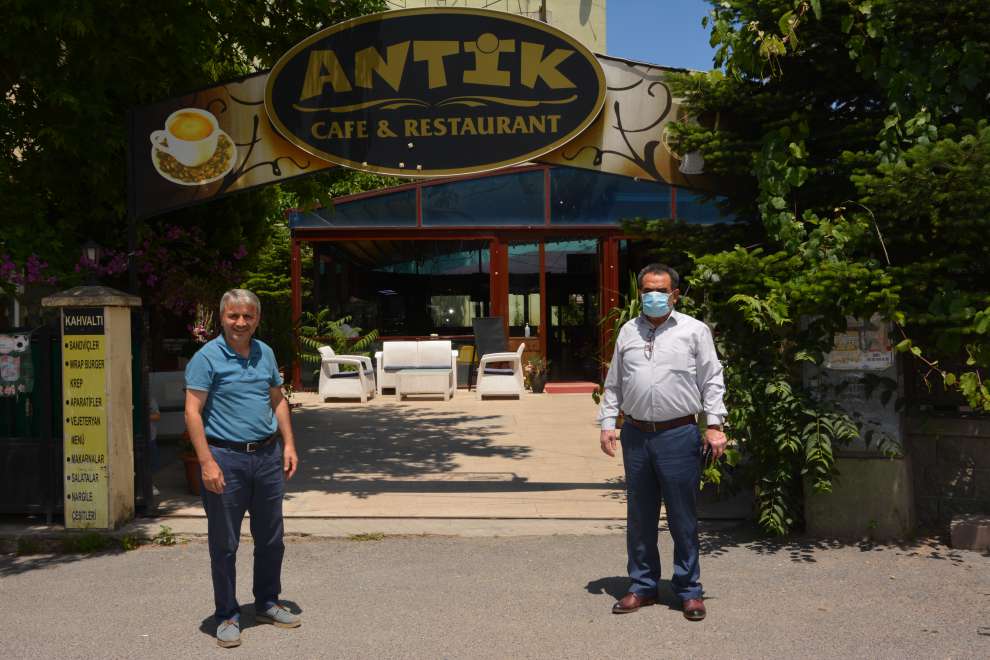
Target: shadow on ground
x=618 y=586
x=370 y=450
x=14 y=564
x=208 y=626
x=716 y=540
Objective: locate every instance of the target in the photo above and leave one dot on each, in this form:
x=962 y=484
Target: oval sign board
x=426 y=92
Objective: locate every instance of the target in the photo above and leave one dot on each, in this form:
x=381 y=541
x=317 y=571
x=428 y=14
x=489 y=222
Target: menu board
x=85 y=417
x=864 y=346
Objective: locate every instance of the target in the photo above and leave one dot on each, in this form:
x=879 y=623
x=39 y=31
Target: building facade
x=541 y=246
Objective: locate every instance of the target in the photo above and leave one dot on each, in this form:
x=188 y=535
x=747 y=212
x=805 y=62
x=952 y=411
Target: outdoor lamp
x=91 y=252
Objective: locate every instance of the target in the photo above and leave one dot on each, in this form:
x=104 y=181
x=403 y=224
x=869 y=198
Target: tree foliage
x=853 y=133
x=69 y=71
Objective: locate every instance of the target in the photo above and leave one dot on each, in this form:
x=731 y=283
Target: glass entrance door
x=573 y=299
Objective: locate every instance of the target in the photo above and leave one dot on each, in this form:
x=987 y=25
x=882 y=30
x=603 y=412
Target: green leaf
x=784 y=23
x=903 y=345
x=816 y=6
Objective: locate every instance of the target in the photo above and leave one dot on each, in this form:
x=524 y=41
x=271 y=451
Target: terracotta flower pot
x=191 y=463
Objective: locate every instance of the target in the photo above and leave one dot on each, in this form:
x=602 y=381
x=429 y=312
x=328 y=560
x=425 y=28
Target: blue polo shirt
x=239 y=405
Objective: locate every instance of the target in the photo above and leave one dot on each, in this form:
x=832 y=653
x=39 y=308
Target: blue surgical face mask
x=656 y=304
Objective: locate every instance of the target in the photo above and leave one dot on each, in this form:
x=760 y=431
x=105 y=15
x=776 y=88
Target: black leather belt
x=666 y=425
x=247 y=447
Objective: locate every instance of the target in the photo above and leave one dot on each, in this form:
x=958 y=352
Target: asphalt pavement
x=508 y=597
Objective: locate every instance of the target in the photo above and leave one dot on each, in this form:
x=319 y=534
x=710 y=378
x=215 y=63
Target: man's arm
x=290 y=460
x=611 y=402
x=212 y=474
x=712 y=388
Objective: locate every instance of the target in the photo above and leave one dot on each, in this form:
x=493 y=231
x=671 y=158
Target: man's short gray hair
x=239 y=297
x=657 y=269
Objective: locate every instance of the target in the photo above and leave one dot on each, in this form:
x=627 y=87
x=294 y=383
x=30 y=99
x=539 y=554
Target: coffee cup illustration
x=190 y=136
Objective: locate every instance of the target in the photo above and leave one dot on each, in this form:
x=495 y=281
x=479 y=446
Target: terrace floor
x=533 y=458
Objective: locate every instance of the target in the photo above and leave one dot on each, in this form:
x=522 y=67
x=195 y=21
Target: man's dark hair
x=657 y=269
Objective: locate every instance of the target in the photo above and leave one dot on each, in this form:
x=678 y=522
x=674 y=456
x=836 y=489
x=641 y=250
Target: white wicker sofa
x=422 y=367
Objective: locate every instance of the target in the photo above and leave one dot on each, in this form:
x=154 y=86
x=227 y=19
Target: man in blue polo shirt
x=234 y=412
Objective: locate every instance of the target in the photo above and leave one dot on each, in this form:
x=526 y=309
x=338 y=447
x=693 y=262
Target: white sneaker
x=229 y=634
x=279 y=616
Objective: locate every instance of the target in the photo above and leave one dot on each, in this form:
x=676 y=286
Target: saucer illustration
x=217 y=167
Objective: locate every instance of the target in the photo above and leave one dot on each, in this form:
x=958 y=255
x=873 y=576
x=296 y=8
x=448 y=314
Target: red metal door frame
x=609 y=276
x=499 y=281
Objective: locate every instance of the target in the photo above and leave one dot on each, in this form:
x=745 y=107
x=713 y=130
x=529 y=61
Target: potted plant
x=321 y=329
x=535 y=373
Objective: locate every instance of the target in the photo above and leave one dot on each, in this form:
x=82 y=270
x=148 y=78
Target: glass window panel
x=506 y=199
x=408 y=288
x=699 y=209
x=592 y=198
x=451 y=311
x=524 y=289
x=396 y=209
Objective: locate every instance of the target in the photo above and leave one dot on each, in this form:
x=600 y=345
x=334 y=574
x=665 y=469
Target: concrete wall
x=871 y=498
x=582 y=19
x=951 y=459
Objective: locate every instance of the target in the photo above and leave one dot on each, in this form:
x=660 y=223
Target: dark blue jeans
x=255 y=483
x=666 y=465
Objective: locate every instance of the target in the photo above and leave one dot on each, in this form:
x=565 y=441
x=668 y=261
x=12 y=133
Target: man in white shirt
x=664 y=372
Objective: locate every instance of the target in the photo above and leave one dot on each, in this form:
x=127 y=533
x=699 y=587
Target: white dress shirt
x=680 y=376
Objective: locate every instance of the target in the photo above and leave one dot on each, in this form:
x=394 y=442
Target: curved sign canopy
x=427 y=92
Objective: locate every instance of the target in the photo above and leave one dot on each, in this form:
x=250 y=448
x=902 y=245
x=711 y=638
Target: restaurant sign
x=400 y=93
x=85 y=430
x=427 y=92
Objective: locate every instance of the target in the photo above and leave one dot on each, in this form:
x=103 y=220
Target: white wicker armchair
x=501 y=381
x=338 y=384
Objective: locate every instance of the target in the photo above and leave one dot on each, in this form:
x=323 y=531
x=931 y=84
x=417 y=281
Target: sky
x=666 y=32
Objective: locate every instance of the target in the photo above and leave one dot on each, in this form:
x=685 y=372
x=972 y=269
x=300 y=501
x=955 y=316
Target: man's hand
x=212 y=477
x=609 y=441
x=290 y=461
x=715 y=438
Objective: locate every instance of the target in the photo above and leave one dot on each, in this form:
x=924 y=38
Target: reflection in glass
x=395 y=209
x=524 y=289
x=699 y=209
x=573 y=309
x=507 y=199
x=405 y=288
x=592 y=198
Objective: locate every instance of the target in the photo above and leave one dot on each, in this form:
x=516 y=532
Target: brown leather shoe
x=632 y=602
x=694 y=609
